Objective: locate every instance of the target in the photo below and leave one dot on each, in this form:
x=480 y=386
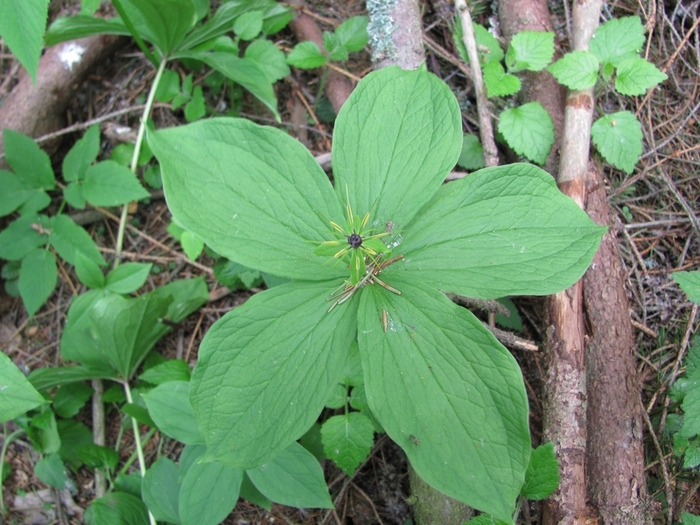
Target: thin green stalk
x=135 y=157
x=6 y=443
x=137 y=441
x=132 y=458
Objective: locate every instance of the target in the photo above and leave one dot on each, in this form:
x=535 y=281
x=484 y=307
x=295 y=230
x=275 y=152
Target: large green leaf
x=208 y=493
x=169 y=406
x=164 y=22
x=117 y=508
x=255 y=195
x=265 y=371
x=160 y=490
x=395 y=140
x=17 y=395
x=45 y=378
x=108 y=183
x=501 y=231
x=293 y=477
x=22 y=27
x=447 y=392
x=80 y=26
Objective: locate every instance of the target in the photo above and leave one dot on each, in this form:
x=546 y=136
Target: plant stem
x=134 y=33
x=135 y=157
x=6 y=443
x=137 y=441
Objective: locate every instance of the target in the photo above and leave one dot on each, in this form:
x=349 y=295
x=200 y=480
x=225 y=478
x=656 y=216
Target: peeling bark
x=565 y=385
x=615 y=452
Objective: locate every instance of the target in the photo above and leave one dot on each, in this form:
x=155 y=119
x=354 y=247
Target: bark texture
x=615 y=453
x=338 y=87
x=36 y=110
x=565 y=384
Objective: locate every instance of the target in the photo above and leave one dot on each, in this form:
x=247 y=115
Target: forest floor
x=655 y=209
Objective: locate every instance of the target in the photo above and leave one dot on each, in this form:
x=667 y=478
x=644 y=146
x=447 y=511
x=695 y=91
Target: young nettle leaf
x=472 y=156
x=530 y=50
x=576 y=70
x=635 y=75
x=306 y=55
x=617 y=39
x=487 y=45
x=498 y=82
x=348 y=440
x=618 y=138
x=25 y=188
x=435 y=379
x=542 y=476
x=529 y=130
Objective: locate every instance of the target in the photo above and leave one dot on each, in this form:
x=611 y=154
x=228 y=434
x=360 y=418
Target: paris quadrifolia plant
x=369 y=260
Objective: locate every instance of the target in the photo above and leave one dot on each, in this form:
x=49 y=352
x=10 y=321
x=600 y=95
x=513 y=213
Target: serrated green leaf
x=17 y=395
x=690 y=519
x=447 y=392
x=530 y=50
x=617 y=39
x=513 y=321
x=245 y=218
x=497 y=82
x=536 y=241
x=22 y=26
x=128 y=277
x=108 y=183
x=542 y=476
x=245 y=72
x=472 y=156
x=69 y=239
x=37 y=279
x=691 y=408
x=691 y=457
x=97 y=456
x=269 y=58
x=248 y=25
x=635 y=75
x=73 y=435
x=208 y=493
x=52 y=471
x=170 y=370
x=28 y=160
x=196 y=107
x=331 y=43
x=487 y=45
x=348 y=440
x=119 y=508
x=169 y=406
x=618 y=138
x=689 y=283
x=160 y=490
x=529 y=130
x=576 y=70
x=74 y=195
x=293 y=477
x=16 y=193
x=71 y=398
x=306 y=55
x=352 y=34
x=290 y=326
x=338 y=396
x=396 y=138
x=21 y=237
x=81 y=155
x=88 y=271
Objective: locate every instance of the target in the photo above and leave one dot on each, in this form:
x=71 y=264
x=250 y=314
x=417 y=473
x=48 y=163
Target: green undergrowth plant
x=433 y=378
x=350 y=36
x=612 y=62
